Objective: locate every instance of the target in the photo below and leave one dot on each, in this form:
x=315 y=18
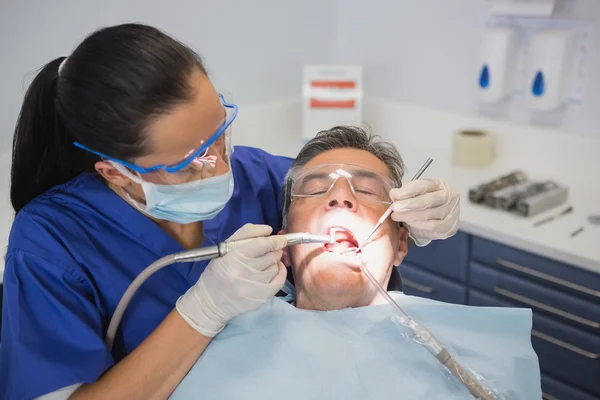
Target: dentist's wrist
x=199 y=312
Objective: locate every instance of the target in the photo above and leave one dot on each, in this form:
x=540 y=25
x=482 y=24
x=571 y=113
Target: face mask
x=185 y=203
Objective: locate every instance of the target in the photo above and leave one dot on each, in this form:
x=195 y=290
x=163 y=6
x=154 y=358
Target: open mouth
x=344 y=240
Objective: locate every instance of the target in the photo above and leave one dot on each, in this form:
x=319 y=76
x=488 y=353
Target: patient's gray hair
x=344 y=137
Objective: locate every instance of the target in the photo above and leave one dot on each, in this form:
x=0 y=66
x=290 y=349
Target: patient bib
x=283 y=353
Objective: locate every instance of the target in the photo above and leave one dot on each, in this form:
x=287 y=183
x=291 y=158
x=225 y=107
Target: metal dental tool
x=553 y=217
x=577 y=232
x=478 y=194
x=388 y=212
x=203 y=253
x=210 y=252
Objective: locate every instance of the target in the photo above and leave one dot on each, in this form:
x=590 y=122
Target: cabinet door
x=573 y=310
x=569 y=354
x=553 y=389
x=448 y=257
x=551 y=273
x=418 y=282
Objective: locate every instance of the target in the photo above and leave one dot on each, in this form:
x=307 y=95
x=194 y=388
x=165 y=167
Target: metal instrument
x=507 y=197
x=553 y=217
x=478 y=194
x=548 y=195
x=388 y=212
x=577 y=232
x=210 y=252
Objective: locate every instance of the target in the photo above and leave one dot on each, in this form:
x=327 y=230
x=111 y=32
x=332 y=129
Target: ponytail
x=43 y=154
x=113 y=86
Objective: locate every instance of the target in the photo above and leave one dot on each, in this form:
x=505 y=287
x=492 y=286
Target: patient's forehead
x=351 y=156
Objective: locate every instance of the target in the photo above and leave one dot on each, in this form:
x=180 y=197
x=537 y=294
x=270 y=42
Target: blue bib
x=281 y=352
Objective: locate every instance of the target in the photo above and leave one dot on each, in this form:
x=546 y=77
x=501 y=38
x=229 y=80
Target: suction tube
x=424 y=337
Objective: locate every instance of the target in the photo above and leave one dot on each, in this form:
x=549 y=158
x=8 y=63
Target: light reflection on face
x=321 y=271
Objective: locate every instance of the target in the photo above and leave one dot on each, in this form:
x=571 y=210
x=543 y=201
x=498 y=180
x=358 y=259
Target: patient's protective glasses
x=199 y=163
x=317 y=181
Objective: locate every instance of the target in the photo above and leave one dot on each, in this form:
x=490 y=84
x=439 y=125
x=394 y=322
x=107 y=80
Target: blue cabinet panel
x=554 y=389
x=543 y=270
x=448 y=257
x=566 y=353
x=418 y=282
x=569 y=308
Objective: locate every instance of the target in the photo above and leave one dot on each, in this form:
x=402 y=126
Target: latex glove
x=241 y=281
x=430 y=208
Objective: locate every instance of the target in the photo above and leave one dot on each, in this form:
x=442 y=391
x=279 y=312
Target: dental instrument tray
x=517 y=194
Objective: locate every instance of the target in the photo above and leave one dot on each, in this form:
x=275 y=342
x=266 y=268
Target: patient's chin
x=336 y=278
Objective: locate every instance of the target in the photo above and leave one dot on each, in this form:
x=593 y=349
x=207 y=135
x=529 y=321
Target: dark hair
x=115 y=83
x=340 y=137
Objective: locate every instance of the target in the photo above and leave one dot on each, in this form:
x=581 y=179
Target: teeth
x=345 y=242
x=342 y=235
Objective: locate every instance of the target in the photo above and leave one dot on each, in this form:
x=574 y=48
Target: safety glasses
x=319 y=180
x=195 y=156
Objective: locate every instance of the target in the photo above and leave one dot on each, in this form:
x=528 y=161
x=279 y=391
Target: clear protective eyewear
x=317 y=181
x=200 y=163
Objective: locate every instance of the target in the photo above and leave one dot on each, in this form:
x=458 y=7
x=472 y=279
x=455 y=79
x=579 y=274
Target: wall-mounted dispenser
x=549 y=69
x=496 y=79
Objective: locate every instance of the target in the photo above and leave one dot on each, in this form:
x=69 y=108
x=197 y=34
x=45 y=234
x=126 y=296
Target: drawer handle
x=547 y=277
x=547 y=308
x=565 y=345
x=419 y=287
x=546 y=396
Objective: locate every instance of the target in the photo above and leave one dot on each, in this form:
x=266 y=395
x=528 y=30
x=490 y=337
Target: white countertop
x=550 y=240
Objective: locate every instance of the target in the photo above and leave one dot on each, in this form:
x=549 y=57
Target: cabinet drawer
x=417 y=282
x=571 y=309
x=556 y=390
x=569 y=354
x=448 y=257
x=552 y=273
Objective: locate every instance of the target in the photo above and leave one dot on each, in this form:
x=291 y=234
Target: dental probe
x=203 y=253
x=388 y=212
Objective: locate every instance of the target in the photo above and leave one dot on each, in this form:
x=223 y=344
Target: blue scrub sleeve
x=52 y=328
x=278 y=167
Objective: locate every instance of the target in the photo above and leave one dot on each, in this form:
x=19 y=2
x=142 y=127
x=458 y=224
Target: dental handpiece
x=203 y=253
x=388 y=212
x=208 y=253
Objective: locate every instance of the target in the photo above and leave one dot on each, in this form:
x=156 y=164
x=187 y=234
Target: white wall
x=255 y=53
x=426 y=53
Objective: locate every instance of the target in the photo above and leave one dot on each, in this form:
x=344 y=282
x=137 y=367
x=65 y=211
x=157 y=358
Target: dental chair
x=394 y=285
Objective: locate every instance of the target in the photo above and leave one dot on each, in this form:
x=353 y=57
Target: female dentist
x=122 y=154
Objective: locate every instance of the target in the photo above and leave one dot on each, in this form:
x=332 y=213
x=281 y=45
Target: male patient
x=338 y=340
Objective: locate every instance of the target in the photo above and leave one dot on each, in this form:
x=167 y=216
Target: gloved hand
x=430 y=208
x=240 y=281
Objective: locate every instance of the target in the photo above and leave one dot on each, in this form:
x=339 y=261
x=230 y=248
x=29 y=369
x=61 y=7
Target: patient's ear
x=285 y=259
x=402 y=246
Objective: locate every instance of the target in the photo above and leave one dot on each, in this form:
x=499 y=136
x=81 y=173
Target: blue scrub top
x=72 y=253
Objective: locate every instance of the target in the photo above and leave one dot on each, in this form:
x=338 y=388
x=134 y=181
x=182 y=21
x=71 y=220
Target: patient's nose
x=341 y=196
